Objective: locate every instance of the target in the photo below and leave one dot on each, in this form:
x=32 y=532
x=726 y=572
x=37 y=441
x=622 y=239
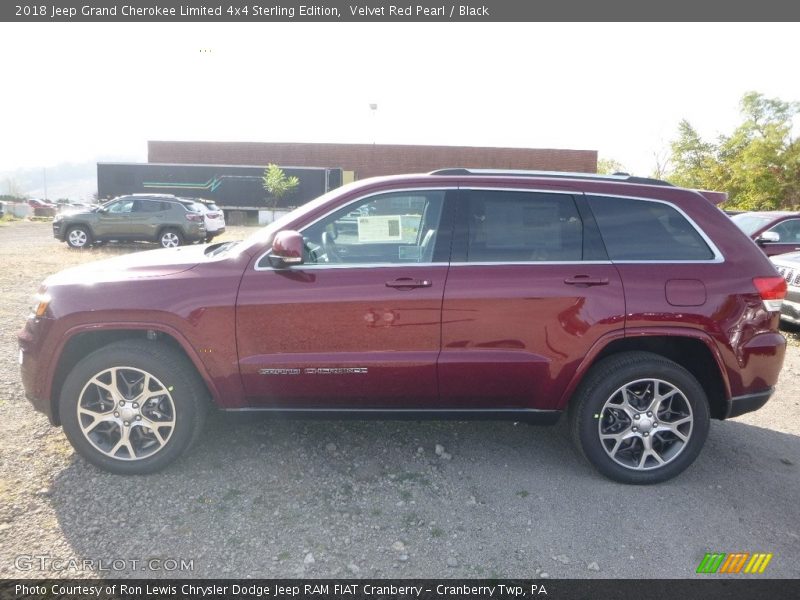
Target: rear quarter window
x=646 y=230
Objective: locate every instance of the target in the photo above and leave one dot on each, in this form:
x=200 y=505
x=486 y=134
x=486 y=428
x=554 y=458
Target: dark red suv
x=636 y=306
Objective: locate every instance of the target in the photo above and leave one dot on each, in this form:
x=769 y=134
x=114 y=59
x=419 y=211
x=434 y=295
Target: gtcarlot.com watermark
x=46 y=562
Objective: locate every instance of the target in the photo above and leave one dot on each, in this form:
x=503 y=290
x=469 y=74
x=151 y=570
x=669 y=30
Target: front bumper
x=790 y=309
x=58 y=231
x=31 y=366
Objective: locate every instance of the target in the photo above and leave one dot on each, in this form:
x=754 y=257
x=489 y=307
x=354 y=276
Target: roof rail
x=621 y=177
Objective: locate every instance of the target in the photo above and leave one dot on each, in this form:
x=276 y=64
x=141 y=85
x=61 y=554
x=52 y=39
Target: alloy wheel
x=126 y=413
x=645 y=424
x=77 y=238
x=170 y=240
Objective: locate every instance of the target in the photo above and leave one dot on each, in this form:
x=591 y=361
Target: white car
x=788 y=266
x=213 y=216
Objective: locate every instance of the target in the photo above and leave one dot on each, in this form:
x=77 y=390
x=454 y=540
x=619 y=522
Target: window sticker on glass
x=388 y=228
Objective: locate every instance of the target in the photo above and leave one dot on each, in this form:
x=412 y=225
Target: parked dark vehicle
x=213 y=217
x=2 y=209
x=788 y=266
x=636 y=307
x=153 y=218
x=777 y=232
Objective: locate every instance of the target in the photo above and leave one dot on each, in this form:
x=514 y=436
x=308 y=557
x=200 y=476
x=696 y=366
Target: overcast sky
x=73 y=92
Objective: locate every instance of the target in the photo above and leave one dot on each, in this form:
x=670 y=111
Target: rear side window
x=149 y=206
x=646 y=230
x=506 y=226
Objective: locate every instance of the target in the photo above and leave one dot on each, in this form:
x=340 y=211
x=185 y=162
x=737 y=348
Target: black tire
x=78 y=237
x=600 y=405
x=170 y=238
x=184 y=401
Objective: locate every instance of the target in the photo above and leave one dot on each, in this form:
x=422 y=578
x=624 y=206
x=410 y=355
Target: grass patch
x=523 y=493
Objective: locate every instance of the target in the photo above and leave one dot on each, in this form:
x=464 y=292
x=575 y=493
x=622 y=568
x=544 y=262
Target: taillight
x=190 y=216
x=772 y=291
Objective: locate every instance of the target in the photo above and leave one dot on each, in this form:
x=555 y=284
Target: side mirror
x=102 y=209
x=768 y=237
x=287 y=248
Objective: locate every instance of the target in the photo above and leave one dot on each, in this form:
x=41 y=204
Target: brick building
x=367 y=160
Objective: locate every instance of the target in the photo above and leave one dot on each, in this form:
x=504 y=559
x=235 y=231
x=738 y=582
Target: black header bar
x=419 y=11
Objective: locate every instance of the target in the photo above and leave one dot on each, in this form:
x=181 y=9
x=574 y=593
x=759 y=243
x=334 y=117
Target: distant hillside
x=76 y=181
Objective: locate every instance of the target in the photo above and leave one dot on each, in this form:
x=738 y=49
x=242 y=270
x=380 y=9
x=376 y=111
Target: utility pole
x=374 y=108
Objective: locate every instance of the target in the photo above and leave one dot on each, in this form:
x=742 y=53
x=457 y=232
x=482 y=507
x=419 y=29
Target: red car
x=777 y=232
x=635 y=306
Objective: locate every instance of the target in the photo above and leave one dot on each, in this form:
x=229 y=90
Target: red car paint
x=443 y=336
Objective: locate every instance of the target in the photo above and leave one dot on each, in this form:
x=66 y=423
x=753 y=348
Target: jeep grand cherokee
x=636 y=307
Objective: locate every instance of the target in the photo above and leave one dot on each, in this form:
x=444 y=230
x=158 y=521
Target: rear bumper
x=739 y=405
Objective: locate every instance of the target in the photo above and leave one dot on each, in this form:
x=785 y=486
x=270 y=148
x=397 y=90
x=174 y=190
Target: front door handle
x=408 y=282
x=586 y=280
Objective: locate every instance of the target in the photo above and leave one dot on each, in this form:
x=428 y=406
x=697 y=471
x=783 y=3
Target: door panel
x=359 y=325
x=336 y=337
x=515 y=340
x=522 y=306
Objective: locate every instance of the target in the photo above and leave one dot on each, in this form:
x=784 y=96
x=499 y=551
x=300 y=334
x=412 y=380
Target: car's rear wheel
x=132 y=407
x=640 y=418
x=170 y=238
x=79 y=237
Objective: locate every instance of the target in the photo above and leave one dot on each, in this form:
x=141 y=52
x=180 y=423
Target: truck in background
x=236 y=189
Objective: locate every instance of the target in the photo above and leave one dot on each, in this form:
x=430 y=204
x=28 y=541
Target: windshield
x=750 y=223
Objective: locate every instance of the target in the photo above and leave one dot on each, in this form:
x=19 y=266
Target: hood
x=147 y=264
x=790 y=259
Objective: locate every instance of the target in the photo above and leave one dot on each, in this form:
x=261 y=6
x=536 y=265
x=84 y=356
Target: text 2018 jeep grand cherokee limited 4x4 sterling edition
x=637 y=307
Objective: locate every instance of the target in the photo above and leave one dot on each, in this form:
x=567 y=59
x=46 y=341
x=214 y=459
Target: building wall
x=368 y=160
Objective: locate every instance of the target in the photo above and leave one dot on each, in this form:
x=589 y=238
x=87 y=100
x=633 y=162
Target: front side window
x=506 y=226
x=123 y=206
x=789 y=231
x=646 y=230
x=394 y=228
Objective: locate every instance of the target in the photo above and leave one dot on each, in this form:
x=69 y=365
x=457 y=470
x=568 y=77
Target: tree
x=14 y=190
x=277 y=184
x=758 y=164
x=609 y=166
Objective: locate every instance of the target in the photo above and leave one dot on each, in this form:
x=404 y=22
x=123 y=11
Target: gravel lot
x=261 y=498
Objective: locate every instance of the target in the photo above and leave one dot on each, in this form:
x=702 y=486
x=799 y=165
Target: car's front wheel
x=132 y=407
x=640 y=418
x=170 y=238
x=79 y=237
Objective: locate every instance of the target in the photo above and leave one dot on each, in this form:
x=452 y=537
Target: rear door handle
x=586 y=280
x=409 y=282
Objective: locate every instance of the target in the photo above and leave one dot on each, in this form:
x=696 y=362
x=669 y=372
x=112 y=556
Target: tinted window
x=523 y=227
x=788 y=230
x=644 y=230
x=147 y=206
x=398 y=227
